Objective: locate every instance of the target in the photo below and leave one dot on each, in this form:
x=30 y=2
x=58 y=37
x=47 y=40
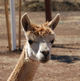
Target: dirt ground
x=65 y=59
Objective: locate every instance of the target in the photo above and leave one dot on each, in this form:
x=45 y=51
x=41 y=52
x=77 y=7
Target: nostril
x=45 y=53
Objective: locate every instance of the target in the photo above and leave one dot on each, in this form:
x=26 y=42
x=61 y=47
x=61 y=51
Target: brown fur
x=40 y=30
x=24 y=69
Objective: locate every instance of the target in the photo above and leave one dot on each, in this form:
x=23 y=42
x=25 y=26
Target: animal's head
x=39 y=38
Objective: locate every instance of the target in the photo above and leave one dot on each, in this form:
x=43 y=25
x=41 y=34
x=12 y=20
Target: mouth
x=44 y=60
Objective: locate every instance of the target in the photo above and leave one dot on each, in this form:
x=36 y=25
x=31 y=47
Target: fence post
x=48 y=10
x=7 y=23
x=13 y=24
x=19 y=24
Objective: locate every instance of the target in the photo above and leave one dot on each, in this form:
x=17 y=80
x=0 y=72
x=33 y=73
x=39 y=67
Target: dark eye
x=30 y=41
x=51 y=41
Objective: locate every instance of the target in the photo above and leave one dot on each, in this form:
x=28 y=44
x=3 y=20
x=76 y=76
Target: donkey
x=39 y=39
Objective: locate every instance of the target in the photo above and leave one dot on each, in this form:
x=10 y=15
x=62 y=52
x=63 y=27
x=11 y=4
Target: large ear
x=53 y=23
x=25 y=21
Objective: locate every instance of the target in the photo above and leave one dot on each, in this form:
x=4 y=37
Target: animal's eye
x=51 y=41
x=30 y=41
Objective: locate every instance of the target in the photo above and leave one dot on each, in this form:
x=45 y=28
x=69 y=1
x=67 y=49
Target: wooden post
x=7 y=23
x=48 y=10
x=24 y=70
x=19 y=24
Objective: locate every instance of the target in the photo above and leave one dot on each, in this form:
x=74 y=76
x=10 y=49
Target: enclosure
x=65 y=58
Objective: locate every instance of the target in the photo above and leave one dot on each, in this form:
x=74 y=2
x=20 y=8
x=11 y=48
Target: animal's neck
x=24 y=70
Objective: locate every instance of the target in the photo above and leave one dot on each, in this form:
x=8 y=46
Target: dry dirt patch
x=65 y=61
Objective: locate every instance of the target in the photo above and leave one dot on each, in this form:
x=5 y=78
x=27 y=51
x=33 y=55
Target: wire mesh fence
x=24 y=3
x=3 y=28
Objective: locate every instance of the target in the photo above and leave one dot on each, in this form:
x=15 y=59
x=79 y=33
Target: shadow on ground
x=65 y=58
x=66 y=46
x=7 y=52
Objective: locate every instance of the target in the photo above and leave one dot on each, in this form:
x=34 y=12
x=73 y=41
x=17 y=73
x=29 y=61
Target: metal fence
x=3 y=28
x=3 y=21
